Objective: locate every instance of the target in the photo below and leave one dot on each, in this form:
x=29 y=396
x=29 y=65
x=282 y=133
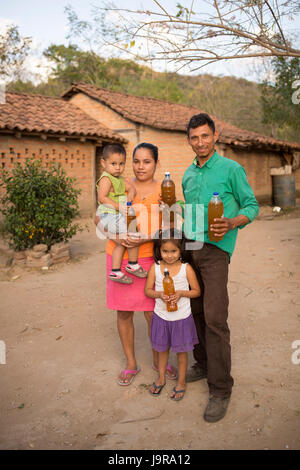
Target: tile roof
x=36 y=113
x=173 y=116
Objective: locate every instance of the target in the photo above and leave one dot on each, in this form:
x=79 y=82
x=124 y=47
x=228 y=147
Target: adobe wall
x=110 y=119
x=175 y=154
x=75 y=157
x=258 y=165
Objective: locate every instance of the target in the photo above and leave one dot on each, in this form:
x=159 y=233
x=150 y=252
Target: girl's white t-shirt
x=180 y=283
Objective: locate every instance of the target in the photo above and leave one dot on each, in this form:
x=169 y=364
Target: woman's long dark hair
x=152 y=149
x=173 y=235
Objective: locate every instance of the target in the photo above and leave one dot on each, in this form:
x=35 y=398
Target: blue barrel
x=284 y=191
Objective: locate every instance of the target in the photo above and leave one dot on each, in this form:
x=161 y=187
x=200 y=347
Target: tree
x=52 y=87
x=13 y=51
x=280 y=101
x=221 y=30
x=70 y=64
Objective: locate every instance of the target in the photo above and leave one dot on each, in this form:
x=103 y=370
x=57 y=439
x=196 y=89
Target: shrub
x=39 y=205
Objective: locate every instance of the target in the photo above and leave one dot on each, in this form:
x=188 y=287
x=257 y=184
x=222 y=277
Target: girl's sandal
x=175 y=397
x=139 y=272
x=157 y=389
x=121 y=279
x=171 y=372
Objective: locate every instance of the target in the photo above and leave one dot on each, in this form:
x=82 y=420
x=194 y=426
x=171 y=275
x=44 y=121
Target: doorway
x=98 y=168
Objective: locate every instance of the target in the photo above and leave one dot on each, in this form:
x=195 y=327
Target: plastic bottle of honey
x=169 y=289
x=131 y=218
x=168 y=190
x=168 y=194
x=215 y=211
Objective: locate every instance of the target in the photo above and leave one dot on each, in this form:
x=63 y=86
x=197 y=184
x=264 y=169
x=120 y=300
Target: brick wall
x=110 y=119
x=257 y=165
x=76 y=158
x=175 y=155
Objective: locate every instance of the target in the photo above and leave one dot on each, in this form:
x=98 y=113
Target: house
x=141 y=119
x=73 y=129
x=54 y=130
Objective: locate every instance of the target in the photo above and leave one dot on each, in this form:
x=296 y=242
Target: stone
x=59 y=247
x=40 y=247
x=60 y=260
x=61 y=254
x=38 y=262
x=34 y=254
x=4 y=248
x=19 y=255
x=19 y=262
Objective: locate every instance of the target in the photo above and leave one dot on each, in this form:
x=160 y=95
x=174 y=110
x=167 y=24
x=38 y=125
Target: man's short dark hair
x=200 y=120
x=111 y=149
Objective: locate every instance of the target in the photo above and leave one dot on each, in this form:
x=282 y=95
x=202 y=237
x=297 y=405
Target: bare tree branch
x=277 y=22
x=217 y=8
x=254 y=26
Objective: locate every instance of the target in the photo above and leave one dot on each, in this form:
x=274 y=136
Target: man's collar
x=209 y=163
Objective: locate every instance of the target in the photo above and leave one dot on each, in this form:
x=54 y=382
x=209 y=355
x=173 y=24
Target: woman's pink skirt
x=130 y=298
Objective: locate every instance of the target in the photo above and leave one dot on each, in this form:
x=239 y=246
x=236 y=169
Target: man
x=208 y=173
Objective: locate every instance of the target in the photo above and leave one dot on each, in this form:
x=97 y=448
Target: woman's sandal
x=121 y=279
x=139 y=272
x=174 y=397
x=126 y=372
x=171 y=372
x=156 y=387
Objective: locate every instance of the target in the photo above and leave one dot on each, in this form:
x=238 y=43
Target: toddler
x=112 y=188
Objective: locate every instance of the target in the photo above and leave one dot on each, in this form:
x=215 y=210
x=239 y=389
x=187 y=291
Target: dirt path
x=58 y=387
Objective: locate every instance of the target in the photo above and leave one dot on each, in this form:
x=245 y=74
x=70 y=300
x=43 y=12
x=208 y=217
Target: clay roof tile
x=36 y=113
x=173 y=116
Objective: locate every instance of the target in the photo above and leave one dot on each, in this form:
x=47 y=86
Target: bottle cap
x=128 y=203
x=215 y=194
x=166 y=271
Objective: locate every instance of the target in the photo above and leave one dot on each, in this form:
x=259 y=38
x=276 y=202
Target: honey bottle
x=215 y=211
x=131 y=218
x=168 y=194
x=168 y=190
x=169 y=289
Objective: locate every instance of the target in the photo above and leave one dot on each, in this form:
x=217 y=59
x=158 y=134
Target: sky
x=47 y=24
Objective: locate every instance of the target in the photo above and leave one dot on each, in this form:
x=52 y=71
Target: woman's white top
x=180 y=283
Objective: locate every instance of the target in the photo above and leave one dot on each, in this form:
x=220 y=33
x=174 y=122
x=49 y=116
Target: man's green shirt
x=229 y=179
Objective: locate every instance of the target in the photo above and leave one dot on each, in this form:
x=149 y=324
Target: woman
x=130 y=298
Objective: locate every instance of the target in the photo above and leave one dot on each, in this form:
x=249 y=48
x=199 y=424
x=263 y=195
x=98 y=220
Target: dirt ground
x=58 y=387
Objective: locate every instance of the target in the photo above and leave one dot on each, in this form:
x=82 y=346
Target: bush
x=39 y=205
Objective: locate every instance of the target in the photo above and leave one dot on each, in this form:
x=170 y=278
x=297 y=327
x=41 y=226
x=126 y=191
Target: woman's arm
x=130 y=189
x=149 y=291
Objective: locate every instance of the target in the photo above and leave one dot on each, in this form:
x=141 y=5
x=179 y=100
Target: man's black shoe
x=195 y=373
x=216 y=409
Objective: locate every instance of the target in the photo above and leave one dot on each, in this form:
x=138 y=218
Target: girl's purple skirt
x=180 y=335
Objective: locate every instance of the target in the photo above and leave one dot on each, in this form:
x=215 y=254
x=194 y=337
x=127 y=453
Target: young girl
x=172 y=329
x=112 y=197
